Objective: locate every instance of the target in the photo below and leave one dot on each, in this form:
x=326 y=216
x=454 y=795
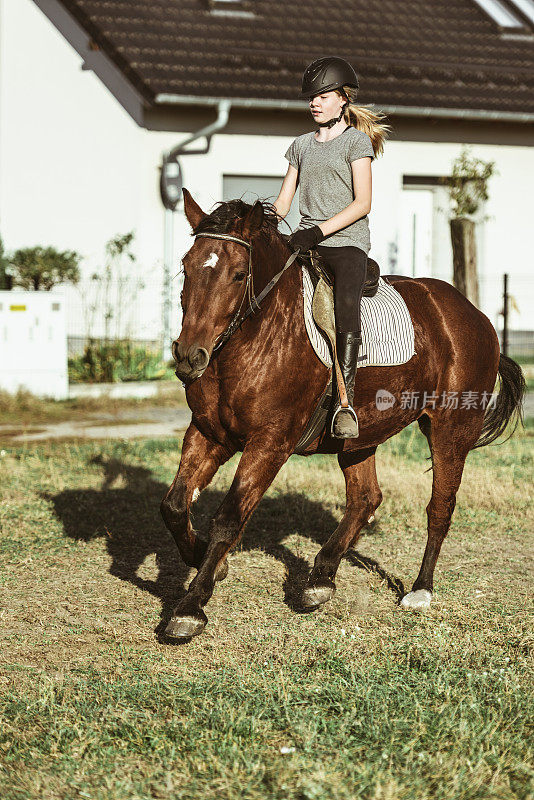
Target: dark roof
x=424 y=53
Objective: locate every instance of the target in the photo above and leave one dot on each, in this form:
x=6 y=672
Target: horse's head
x=216 y=278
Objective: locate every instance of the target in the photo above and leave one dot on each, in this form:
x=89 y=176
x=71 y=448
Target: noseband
x=254 y=302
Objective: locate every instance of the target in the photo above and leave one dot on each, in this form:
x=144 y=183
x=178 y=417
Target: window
x=526 y=7
x=241 y=8
x=250 y=187
x=501 y=13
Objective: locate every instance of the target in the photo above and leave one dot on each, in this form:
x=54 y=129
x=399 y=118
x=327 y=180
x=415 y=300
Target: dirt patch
x=26 y=409
x=158 y=422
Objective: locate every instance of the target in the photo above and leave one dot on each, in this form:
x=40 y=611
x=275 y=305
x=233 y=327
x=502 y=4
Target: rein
x=254 y=302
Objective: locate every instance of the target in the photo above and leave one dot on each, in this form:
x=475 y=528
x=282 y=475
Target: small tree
x=468 y=187
x=120 y=260
x=468 y=183
x=113 y=289
x=42 y=268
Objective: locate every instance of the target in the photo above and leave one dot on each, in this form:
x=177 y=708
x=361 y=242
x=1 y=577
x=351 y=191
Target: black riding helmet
x=324 y=75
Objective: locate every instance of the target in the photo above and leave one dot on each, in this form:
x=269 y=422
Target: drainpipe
x=171 y=180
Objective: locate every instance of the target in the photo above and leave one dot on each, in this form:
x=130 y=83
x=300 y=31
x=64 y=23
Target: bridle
x=254 y=302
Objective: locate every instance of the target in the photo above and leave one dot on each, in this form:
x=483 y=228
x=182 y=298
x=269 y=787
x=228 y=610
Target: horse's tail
x=508 y=405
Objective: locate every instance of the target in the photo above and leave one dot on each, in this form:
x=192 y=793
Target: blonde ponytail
x=362 y=118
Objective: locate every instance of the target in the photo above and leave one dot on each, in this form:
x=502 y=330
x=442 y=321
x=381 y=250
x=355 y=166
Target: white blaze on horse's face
x=211 y=261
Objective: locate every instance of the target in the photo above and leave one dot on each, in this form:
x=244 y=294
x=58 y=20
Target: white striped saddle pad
x=387 y=328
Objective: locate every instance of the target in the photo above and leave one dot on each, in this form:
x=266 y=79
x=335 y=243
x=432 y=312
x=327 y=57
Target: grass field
x=23 y=408
x=358 y=700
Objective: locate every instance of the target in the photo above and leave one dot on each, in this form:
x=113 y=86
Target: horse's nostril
x=175 y=350
x=198 y=357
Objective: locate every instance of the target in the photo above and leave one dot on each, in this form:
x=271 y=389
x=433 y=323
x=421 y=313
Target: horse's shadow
x=125 y=511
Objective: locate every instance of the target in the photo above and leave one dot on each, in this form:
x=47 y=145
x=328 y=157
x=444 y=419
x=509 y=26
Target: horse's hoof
x=185 y=627
x=222 y=570
x=416 y=601
x=315 y=596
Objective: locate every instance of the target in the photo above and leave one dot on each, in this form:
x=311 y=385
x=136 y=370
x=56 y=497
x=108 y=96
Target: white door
x=415 y=233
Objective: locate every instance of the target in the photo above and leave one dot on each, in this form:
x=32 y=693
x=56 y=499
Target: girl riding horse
x=333 y=168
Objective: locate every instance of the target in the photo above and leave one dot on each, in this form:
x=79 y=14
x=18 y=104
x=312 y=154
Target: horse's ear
x=193 y=212
x=253 y=221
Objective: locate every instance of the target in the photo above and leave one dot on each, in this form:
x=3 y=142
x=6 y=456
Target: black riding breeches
x=348 y=267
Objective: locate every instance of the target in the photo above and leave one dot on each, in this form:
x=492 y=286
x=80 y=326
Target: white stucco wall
x=75 y=170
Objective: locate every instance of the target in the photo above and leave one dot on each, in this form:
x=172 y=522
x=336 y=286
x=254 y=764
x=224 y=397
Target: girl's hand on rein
x=306 y=238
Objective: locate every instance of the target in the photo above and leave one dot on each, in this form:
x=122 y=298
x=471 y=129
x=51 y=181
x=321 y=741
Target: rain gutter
x=298 y=105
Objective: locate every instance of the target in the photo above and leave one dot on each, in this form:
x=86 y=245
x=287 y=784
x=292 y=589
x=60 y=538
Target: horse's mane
x=227 y=212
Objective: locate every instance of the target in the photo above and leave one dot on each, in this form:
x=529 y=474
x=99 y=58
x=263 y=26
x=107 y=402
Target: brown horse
x=256 y=393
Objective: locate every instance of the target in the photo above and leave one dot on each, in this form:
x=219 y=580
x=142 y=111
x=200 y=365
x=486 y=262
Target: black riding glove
x=306 y=238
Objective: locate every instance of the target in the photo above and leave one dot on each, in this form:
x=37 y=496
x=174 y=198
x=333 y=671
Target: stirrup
x=351 y=411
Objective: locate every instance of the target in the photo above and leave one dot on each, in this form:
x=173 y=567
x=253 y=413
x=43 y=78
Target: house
x=93 y=93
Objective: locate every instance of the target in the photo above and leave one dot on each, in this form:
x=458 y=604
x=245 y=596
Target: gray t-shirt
x=325 y=181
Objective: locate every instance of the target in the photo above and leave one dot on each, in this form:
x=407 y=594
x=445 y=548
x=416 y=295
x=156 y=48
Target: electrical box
x=33 y=343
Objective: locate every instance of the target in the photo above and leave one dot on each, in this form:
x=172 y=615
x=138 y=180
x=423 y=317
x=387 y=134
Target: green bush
x=42 y=268
x=112 y=362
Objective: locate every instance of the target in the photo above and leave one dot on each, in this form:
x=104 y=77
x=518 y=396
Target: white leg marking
x=416 y=601
x=371 y=518
x=211 y=261
x=196 y=493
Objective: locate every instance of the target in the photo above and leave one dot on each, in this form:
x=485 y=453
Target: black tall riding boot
x=345 y=421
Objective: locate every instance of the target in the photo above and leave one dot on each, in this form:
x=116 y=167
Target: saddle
x=323 y=293
x=323 y=313
x=317 y=266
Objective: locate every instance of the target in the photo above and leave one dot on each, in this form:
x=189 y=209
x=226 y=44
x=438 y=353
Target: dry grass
x=25 y=409
x=377 y=703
